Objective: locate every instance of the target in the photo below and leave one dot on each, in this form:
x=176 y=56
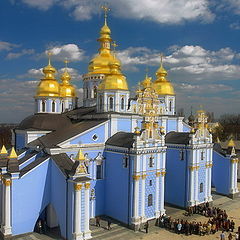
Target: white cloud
x=70 y=52
x=166 y=11
x=75 y=76
x=15 y=55
x=6 y=46
x=235 y=26
x=40 y=4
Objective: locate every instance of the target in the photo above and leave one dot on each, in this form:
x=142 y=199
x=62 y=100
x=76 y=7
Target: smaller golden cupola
x=162 y=86
x=115 y=80
x=48 y=86
x=3 y=150
x=66 y=88
x=147 y=82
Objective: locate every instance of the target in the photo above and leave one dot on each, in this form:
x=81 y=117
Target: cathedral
x=120 y=156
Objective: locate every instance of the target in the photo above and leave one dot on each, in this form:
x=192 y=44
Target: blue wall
x=87 y=137
x=176 y=179
x=117 y=187
x=221 y=173
x=171 y=125
x=31 y=194
x=202 y=179
x=20 y=140
x=124 y=124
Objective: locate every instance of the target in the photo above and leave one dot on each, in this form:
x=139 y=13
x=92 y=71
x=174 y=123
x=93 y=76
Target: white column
x=232 y=176
x=210 y=183
x=157 y=196
x=162 y=184
x=136 y=198
x=77 y=212
x=7 y=229
x=191 y=200
x=143 y=196
x=196 y=187
x=87 y=232
x=206 y=183
x=235 y=177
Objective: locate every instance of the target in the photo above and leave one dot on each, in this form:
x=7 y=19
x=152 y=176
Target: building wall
x=176 y=179
x=30 y=196
x=201 y=179
x=117 y=187
x=58 y=196
x=124 y=125
x=221 y=173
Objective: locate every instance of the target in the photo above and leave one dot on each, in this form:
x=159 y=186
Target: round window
x=95 y=137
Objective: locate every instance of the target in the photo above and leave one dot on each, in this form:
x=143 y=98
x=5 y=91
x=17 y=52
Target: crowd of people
x=218 y=221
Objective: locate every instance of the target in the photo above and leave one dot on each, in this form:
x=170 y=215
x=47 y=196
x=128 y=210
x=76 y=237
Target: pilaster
x=87 y=232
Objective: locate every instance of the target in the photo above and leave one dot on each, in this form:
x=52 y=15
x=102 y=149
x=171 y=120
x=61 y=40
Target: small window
x=151 y=163
x=122 y=103
x=99 y=174
x=182 y=155
x=62 y=107
x=95 y=92
x=87 y=93
x=170 y=106
x=202 y=155
x=125 y=161
x=101 y=102
x=95 y=137
x=150 y=200
x=111 y=103
x=53 y=106
x=43 y=106
x=150 y=182
x=201 y=187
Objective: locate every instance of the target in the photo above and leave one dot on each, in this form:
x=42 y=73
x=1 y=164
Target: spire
x=231 y=143
x=66 y=77
x=80 y=156
x=105 y=9
x=13 y=153
x=161 y=72
x=3 y=150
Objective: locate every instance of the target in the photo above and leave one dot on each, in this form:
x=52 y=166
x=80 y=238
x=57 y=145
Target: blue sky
x=199 y=38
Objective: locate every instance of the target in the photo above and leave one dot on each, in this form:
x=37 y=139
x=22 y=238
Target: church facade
x=116 y=155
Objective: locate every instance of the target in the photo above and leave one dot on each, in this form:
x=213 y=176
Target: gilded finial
x=66 y=63
x=3 y=150
x=147 y=70
x=161 y=60
x=80 y=156
x=49 y=53
x=13 y=153
x=114 y=44
x=105 y=9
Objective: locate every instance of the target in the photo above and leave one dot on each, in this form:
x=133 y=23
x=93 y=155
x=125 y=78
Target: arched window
x=170 y=106
x=43 y=106
x=95 y=92
x=122 y=103
x=111 y=103
x=150 y=200
x=62 y=107
x=151 y=161
x=53 y=106
x=101 y=102
x=202 y=155
x=87 y=93
x=201 y=187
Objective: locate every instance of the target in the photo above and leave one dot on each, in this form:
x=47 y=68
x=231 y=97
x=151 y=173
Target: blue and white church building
x=117 y=156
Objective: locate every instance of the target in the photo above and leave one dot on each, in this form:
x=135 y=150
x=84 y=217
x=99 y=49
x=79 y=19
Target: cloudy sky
x=199 y=39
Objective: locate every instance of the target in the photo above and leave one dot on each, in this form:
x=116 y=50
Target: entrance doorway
x=47 y=222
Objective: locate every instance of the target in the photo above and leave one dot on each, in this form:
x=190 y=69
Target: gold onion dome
x=48 y=86
x=100 y=64
x=66 y=88
x=162 y=86
x=115 y=80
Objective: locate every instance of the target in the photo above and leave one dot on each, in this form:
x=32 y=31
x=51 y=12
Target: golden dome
x=67 y=89
x=100 y=64
x=147 y=82
x=162 y=86
x=48 y=86
x=115 y=80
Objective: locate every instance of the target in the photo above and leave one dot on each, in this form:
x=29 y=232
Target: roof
x=44 y=121
x=217 y=148
x=121 y=139
x=64 y=163
x=177 y=138
x=64 y=133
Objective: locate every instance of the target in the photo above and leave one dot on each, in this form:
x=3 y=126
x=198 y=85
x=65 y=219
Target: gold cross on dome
x=161 y=58
x=66 y=63
x=105 y=9
x=114 y=44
